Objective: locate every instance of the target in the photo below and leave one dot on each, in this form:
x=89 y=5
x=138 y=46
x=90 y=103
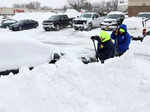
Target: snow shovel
x=95 y=50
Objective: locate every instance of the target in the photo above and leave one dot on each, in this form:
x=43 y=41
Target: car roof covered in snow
x=17 y=52
x=130 y=20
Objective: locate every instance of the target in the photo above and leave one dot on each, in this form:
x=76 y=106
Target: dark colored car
x=6 y=23
x=24 y=25
x=57 y=22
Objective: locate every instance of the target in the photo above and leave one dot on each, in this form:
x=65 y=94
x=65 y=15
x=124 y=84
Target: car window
x=86 y=15
x=9 y=21
x=114 y=16
x=144 y=15
x=96 y=15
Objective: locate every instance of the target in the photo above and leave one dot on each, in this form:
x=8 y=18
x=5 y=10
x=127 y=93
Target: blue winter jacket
x=122 y=40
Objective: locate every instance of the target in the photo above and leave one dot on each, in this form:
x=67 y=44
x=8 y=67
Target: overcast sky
x=51 y=3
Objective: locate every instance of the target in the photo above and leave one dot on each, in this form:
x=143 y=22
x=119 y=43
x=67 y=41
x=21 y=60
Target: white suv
x=87 y=21
x=137 y=27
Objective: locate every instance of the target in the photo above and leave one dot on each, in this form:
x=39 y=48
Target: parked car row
x=87 y=21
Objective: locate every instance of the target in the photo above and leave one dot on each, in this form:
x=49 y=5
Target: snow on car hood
x=81 y=18
x=19 y=51
x=109 y=19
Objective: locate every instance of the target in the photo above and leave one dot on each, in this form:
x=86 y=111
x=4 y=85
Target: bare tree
x=79 y=4
x=115 y=4
x=31 y=5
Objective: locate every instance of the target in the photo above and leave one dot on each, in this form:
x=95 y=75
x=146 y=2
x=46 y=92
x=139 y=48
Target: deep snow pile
x=22 y=51
x=120 y=85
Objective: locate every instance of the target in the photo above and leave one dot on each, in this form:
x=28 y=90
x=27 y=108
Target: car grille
x=108 y=21
x=79 y=22
x=47 y=23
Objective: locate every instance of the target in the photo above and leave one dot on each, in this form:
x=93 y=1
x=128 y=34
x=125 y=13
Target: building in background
x=136 y=6
x=7 y=11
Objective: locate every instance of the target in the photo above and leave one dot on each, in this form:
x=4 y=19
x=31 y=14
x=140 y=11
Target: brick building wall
x=136 y=6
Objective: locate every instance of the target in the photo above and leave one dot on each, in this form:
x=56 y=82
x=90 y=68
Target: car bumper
x=80 y=27
x=49 y=26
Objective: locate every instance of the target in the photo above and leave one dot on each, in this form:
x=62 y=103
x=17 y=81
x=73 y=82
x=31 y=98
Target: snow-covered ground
x=120 y=85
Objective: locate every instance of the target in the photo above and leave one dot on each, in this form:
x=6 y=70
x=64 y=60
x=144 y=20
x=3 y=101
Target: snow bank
x=72 y=13
x=120 y=85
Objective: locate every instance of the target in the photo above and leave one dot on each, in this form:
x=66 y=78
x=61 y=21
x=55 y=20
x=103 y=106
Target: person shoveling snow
x=105 y=48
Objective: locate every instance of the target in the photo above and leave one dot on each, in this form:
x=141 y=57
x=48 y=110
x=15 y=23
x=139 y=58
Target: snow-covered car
x=112 y=20
x=137 y=27
x=19 y=52
x=87 y=21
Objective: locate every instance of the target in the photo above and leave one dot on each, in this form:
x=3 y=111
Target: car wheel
x=20 y=28
x=47 y=29
x=57 y=27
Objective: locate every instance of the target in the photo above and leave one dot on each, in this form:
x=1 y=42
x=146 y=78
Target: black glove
x=94 y=37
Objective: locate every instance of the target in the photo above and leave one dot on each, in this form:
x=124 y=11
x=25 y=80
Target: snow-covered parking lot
x=120 y=85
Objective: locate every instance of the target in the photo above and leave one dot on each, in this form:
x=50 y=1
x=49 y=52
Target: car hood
x=109 y=20
x=82 y=19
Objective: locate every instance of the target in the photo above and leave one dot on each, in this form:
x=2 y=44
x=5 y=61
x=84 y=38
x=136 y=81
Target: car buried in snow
x=87 y=21
x=57 y=22
x=17 y=52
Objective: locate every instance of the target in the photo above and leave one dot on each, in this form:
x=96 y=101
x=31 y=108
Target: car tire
x=20 y=28
x=57 y=27
x=46 y=29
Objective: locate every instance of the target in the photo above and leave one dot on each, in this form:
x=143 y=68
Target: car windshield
x=114 y=16
x=144 y=15
x=9 y=21
x=86 y=15
x=54 y=18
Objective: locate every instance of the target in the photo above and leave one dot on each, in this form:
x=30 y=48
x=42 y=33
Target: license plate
x=107 y=27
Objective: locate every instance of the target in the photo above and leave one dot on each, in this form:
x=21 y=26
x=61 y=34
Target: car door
x=26 y=25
